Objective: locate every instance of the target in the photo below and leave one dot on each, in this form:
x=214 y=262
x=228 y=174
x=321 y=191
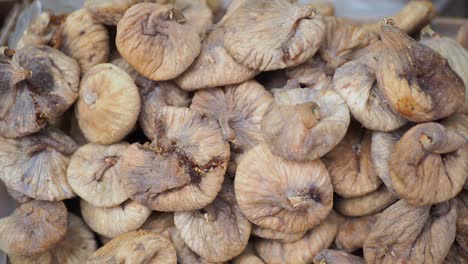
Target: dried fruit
x=416 y=81
x=156 y=40
x=350 y=164
x=239 y=110
x=323 y=7
x=33 y=228
x=462 y=222
x=305 y=124
x=353 y=232
x=309 y=73
x=18 y=196
x=109 y=12
x=94 y=174
x=248 y=257
x=114 y=221
x=277 y=235
x=46 y=29
x=136 y=247
x=329 y=256
x=37 y=83
x=109 y=104
x=269 y=35
x=218 y=232
x=456 y=255
x=408 y=234
x=429 y=165
x=183 y=168
x=282 y=195
x=36 y=165
x=123 y=64
x=367 y=204
x=85 y=39
x=197 y=13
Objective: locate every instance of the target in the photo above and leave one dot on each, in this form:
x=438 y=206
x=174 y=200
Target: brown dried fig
x=408 y=234
x=309 y=73
x=456 y=255
x=94 y=174
x=123 y=64
x=302 y=251
x=197 y=13
x=269 y=35
x=277 y=235
x=218 y=232
x=109 y=12
x=324 y=8
x=305 y=124
x=109 y=104
x=211 y=66
x=183 y=168
x=33 y=228
x=416 y=81
x=114 y=221
x=18 y=196
x=46 y=29
x=36 y=165
x=353 y=232
x=239 y=110
x=329 y=256
x=157 y=41
x=429 y=165
x=136 y=247
x=462 y=222
x=367 y=204
x=155 y=96
x=282 y=195
x=458 y=123
x=350 y=164
x=248 y=257
x=76 y=247
x=85 y=39
x=37 y=83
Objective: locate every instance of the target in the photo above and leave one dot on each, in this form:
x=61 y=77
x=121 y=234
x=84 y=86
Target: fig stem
x=228 y=132
x=209 y=213
x=109 y=163
x=428 y=32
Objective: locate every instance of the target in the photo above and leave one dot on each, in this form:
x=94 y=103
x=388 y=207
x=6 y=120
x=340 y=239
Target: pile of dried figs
x=264 y=131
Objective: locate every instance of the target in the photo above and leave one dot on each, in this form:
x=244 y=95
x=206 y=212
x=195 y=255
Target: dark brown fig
x=368 y=204
x=329 y=256
x=353 y=232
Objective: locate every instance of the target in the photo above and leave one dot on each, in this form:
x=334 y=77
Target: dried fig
x=136 y=247
x=218 y=232
x=211 y=66
x=36 y=165
x=197 y=13
x=416 y=81
x=458 y=123
x=33 y=228
x=329 y=256
x=305 y=124
x=94 y=174
x=183 y=168
x=302 y=251
x=123 y=64
x=324 y=8
x=367 y=204
x=248 y=257
x=109 y=12
x=408 y=234
x=269 y=35
x=462 y=222
x=109 y=104
x=45 y=29
x=18 y=196
x=282 y=195
x=85 y=39
x=350 y=164
x=462 y=35
x=456 y=255
x=156 y=40
x=239 y=110
x=309 y=73
x=353 y=232
x=429 y=165
x=37 y=83
x=114 y=221
x=277 y=235
x=76 y=247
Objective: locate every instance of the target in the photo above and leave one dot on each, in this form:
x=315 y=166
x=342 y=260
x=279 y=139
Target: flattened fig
x=353 y=232
x=367 y=204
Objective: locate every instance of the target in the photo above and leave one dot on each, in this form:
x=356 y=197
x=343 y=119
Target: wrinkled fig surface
x=367 y=204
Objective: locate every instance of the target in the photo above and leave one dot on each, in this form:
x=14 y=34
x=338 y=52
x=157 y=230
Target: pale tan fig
x=159 y=222
x=109 y=12
x=462 y=35
x=429 y=164
x=109 y=104
x=368 y=204
x=37 y=83
x=76 y=247
x=350 y=164
x=248 y=257
x=18 y=196
x=353 y=232
x=239 y=110
x=218 y=232
x=136 y=247
x=456 y=55
x=329 y=256
x=344 y=41
x=46 y=29
x=114 y=221
x=183 y=168
x=33 y=228
x=157 y=41
x=94 y=174
x=408 y=234
x=323 y=7
x=462 y=221
x=302 y=251
x=277 y=235
x=123 y=64
x=305 y=124
x=197 y=13
x=309 y=73
x=357 y=83
x=155 y=96
x=85 y=39
x=282 y=195
x=36 y=165
x=415 y=80
x=268 y=35
x=211 y=66
x=456 y=255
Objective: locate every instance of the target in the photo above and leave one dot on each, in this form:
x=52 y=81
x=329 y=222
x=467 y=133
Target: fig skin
x=416 y=81
x=277 y=235
x=330 y=256
x=462 y=221
x=309 y=73
x=18 y=196
x=156 y=41
x=368 y=204
x=109 y=12
x=456 y=255
x=353 y=232
x=248 y=257
x=46 y=29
